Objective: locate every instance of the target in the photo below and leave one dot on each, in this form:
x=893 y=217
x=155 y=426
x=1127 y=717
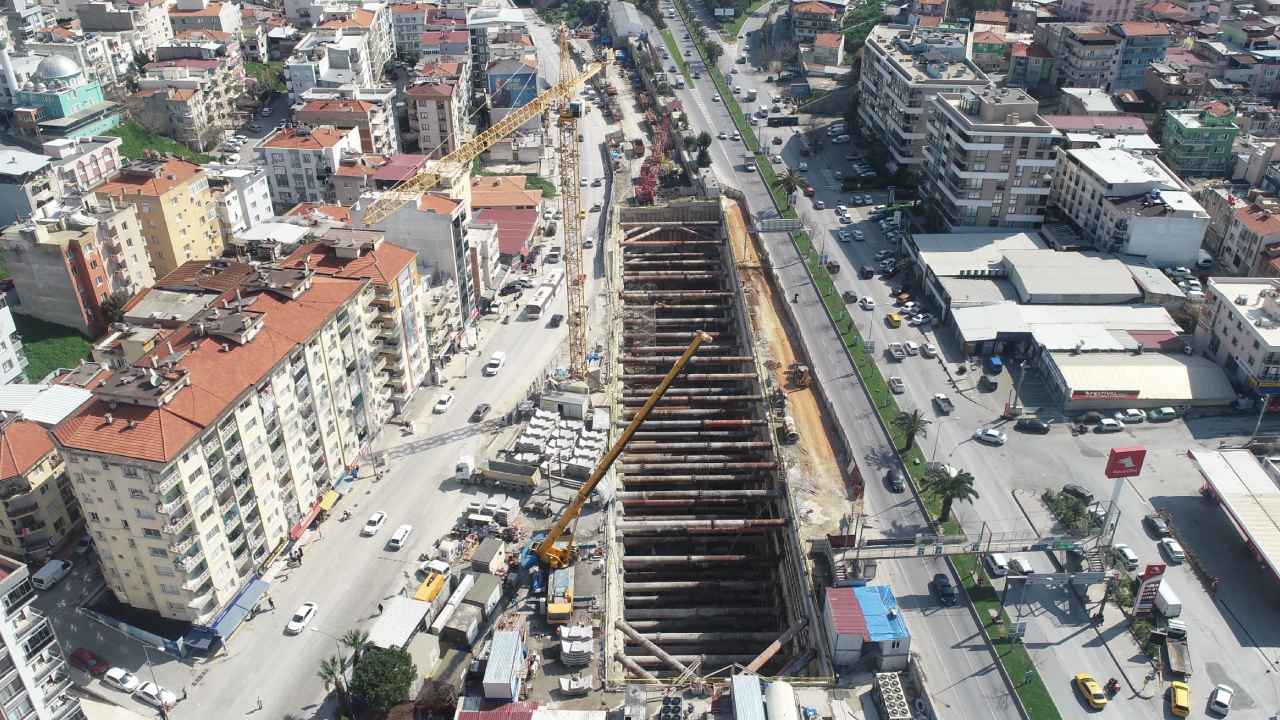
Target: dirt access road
x=821 y=493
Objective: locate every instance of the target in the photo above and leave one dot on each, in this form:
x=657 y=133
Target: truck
x=897 y=352
x=1167 y=601
x=560 y=596
x=943 y=403
x=1176 y=648
x=465 y=471
x=749 y=162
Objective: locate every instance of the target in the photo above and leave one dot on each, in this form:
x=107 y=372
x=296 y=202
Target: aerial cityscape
x=639 y=360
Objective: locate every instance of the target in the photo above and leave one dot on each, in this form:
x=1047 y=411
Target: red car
x=85 y=660
x=808 y=191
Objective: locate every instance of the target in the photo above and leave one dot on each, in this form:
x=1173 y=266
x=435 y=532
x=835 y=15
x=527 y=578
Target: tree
x=714 y=51
x=333 y=673
x=790 y=183
x=438 y=698
x=912 y=424
x=383 y=678
x=949 y=485
x=704 y=158
x=357 y=641
x=113 y=307
x=704 y=139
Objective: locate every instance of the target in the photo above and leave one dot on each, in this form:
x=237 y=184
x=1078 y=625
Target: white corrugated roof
x=44 y=404
x=1249 y=494
x=399 y=619
x=1060 y=327
x=1167 y=378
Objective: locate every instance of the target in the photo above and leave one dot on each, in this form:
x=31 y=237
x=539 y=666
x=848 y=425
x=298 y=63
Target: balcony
x=19 y=598
x=176 y=525
x=389 y=330
x=171 y=507
x=45 y=664
x=22 y=507
x=166 y=484
x=182 y=545
x=26 y=621
x=201 y=600
x=68 y=708
x=195 y=581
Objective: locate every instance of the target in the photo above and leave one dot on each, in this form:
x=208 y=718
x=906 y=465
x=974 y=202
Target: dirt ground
x=812 y=469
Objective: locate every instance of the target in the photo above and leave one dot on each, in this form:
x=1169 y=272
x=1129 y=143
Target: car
x=896 y=481
x=809 y=191
x=1125 y=556
x=911 y=348
x=121 y=679
x=555 y=320
x=921 y=319
x=897 y=386
x=1078 y=492
x=723 y=135
x=845 y=220
x=1172 y=549
x=305 y=613
x=859 y=235
x=1032 y=425
x=842 y=209
x=777 y=140
x=990 y=436
x=1021 y=566
x=585 y=182
x=1162 y=414
x=945 y=589
x=839 y=174
x=495 y=364
x=1132 y=416
x=266 y=112
x=819 y=205
x=1157 y=525
x=1109 y=425
x=155 y=696
x=883 y=254
x=928 y=350
x=697 y=75
x=374 y=524
x=481 y=410
x=715 y=98
x=777 y=159
x=842 y=236
x=867 y=303
x=1091 y=690
x=1178 y=271
x=84 y=659
x=442 y=403
x=997 y=564
x=733 y=71
x=735 y=137
x=803 y=166
x=1220 y=699
x=1179 y=698
x=1092 y=417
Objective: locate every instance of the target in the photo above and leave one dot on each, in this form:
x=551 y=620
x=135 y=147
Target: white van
x=496 y=361
x=400 y=538
x=997 y=564
x=51 y=574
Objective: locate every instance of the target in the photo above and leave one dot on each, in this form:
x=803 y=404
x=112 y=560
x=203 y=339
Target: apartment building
x=144 y=25
x=1127 y=202
x=989 y=157
x=408 y=22
x=370 y=111
x=1141 y=43
x=206 y=15
x=1096 y=11
x=13 y=361
x=175 y=208
x=41 y=680
x=200 y=455
x=1251 y=238
x=81 y=164
x=902 y=68
x=191 y=99
x=487 y=23
x=1030 y=65
x=402 y=361
x=28 y=187
x=1085 y=54
x=988 y=49
x=105 y=57
x=1197 y=141
x=300 y=160
x=812 y=17
x=437 y=116
x=327 y=61
x=1171 y=85
x=445 y=46
x=359 y=174
x=241 y=197
x=512 y=84
x=1239 y=328
x=23 y=18
x=39 y=510
x=370 y=21
x=828 y=49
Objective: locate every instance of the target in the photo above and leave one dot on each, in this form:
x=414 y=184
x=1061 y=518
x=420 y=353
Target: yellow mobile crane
x=457 y=162
x=557 y=555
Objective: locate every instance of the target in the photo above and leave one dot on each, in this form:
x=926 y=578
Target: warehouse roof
x=1167 y=377
x=1066 y=327
x=947 y=254
x=1247 y=489
x=1047 y=273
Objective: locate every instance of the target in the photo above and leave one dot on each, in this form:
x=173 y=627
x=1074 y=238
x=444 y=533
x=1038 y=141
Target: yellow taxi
x=1179 y=698
x=1091 y=691
x=893 y=320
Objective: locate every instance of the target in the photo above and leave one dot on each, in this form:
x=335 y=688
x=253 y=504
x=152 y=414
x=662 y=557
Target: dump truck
x=943 y=403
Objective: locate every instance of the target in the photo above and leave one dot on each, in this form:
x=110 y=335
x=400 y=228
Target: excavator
x=556 y=550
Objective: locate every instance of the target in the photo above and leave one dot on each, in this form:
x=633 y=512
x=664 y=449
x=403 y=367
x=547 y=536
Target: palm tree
x=950 y=485
x=912 y=424
x=357 y=640
x=333 y=673
x=790 y=183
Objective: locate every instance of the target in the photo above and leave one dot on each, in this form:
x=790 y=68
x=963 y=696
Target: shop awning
x=301 y=526
x=239 y=608
x=344 y=485
x=329 y=500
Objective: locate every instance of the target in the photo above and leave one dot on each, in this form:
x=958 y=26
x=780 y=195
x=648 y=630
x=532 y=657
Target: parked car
x=1220 y=699
x=481 y=410
x=1157 y=525
x=121 y=679
x=1108 y=425
x=1132 y=416
x=555 y=320
x=1179 y=698
x=155 y=696
x=442 y=404
x=1032 y=425
x=84 y=659
x=911 y=348
x=1125 y=556
x=928 y=350
x=1077 y=492
x=897 y=386
x=1172 y=549
x=1162 y=414
x=374 y=524
x=990 y=436
x=1021 y=566
x=945 y=589
x=1092 y=417
x=997 y=564
x=305 y=613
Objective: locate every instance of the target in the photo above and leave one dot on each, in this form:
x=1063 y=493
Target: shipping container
x=505 y=669
x=463 y=626
x=485 y=593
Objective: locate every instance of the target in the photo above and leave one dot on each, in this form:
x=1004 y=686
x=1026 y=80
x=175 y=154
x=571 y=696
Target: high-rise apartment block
x=37 y=678
x=988 y=159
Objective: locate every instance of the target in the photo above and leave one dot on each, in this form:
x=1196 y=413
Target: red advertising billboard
x=1125 y=462
x=1147 y=591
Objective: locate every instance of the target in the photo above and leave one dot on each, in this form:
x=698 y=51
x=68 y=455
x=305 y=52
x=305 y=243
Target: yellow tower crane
x=571 y=204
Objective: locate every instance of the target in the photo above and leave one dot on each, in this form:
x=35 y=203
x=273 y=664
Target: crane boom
x=559 y=557
x=410 y=189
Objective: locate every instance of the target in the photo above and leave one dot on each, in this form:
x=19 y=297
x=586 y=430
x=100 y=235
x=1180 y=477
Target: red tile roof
x=359 y=18
x=515 y=227
x=502 y=191
x=22 y=445
x=828 y=40
x=988 y=37
x=317 y=138
x=382 y=265
x=930 y=21
x=812 y=8
x=991 y=17
x=173 y=173
x=1137 y=29
x=217 y=378
x=509 y=711
x=434 y=89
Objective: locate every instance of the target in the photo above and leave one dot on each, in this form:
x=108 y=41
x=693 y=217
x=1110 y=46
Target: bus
x=555 y=278
x=541 y=299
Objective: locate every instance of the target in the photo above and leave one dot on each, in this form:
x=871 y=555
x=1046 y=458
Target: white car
x=1125 y=555
x=1173 y=549
x=911 y=348
x=929 y=350
x=442 y=405
x=1131 y=416
x=304 y=615
x=842 y=236
x=715 y=98
x=990 y=436
x=897 y=386
x=723 y=135
x=121 y=679
x=1108 y=425
x=494 y=366
x=1220 y=699
x=585 y=182
x=867 y=303
x=735 y=137
x=155 y=696
x=374 y=524
x=842 y=209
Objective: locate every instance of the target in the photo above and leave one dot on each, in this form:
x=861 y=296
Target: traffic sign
x=1125 y=462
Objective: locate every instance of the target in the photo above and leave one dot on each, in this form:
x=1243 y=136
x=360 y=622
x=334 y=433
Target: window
x=159 y=552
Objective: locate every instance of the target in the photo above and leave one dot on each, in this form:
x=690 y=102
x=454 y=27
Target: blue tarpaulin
x=239 y=608
x=344 y=485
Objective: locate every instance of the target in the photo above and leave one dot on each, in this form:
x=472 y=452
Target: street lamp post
x=336 y=640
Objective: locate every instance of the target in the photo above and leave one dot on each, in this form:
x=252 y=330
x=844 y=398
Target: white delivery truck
x=465 y=471
x=1167 y=601
x=51 y=574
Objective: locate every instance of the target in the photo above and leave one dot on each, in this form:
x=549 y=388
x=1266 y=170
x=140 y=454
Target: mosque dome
x=57 y=68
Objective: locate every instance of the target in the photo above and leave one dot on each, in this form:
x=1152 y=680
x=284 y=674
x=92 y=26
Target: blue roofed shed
x=864 y=625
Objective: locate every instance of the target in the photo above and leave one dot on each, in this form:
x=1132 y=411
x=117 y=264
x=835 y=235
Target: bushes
x=1070 y=511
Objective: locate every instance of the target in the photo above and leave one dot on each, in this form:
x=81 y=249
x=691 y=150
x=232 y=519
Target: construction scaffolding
x=710 y=567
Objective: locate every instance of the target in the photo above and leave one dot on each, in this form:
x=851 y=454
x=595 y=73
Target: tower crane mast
x=571 y=205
